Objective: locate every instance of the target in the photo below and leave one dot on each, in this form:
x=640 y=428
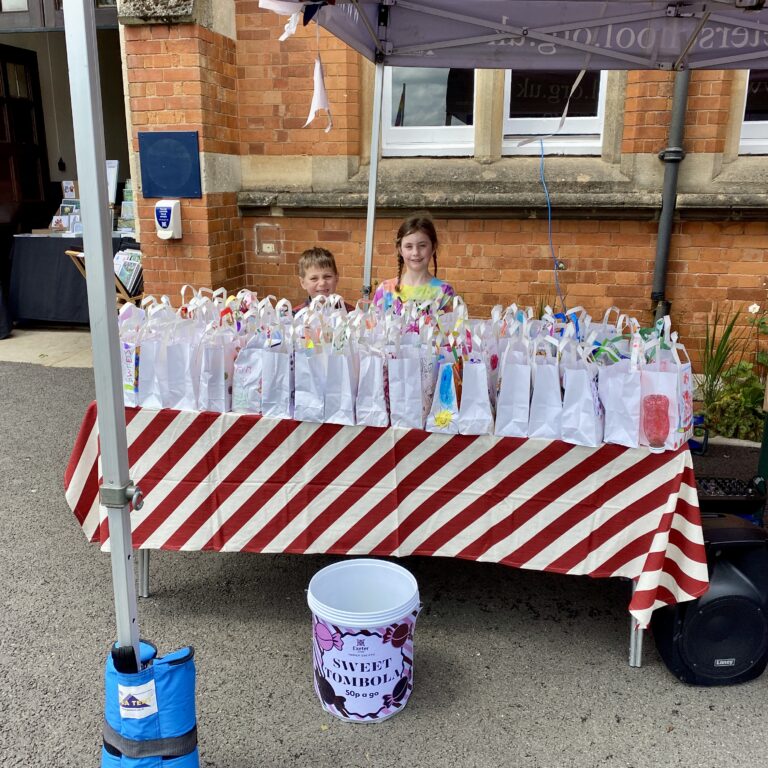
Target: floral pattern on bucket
x=363 y=674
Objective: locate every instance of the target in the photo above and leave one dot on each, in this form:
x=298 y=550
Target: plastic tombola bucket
x=363 y=616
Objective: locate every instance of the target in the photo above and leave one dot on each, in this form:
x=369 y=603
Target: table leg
x=635 y=643
x=143 y=562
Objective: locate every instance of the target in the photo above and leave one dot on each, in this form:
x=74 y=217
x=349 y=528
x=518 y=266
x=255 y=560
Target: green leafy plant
x=758 y=319
x=723 y=344
x=549 y=298
x=738 y=409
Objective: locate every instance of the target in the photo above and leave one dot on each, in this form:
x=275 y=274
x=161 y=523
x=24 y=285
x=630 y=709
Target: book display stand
x=122 y=294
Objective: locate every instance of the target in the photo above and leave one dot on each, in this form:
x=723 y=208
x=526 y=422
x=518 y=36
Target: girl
x=416 y=244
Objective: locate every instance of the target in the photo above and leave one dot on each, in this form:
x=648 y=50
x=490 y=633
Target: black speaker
x=722 y=637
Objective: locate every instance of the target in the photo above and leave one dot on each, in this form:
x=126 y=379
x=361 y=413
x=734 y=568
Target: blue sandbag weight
x=149 y=715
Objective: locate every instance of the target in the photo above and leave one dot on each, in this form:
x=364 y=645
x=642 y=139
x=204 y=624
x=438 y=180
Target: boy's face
x=319 y=281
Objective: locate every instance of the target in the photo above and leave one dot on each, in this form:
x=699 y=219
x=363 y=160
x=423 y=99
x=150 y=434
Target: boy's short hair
x=320 y=258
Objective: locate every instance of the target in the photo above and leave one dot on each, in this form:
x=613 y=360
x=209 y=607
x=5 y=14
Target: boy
x=318 y=275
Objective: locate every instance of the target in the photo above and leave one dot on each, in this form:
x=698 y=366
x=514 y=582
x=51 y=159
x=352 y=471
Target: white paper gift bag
x=546 y=400
x=130 y=318
x=371 y=406
x=130 y=321
x=417 y=341
x=340 y=389
x=513 y=402
x=246 y=378
x=609 y=327
x=620 y=394
x=429 y=372
x=218 y=351
x=277 y=383
x=660 y=395
x=311 y=378
x=182 y=360
x=676 y=360
x=152 y=371
x=129 y=364
x=583 y=416
x=444 y=412
x=475 y=414
x=405 y=392
x=213 y=380
x=490 y=350
x=153 y=367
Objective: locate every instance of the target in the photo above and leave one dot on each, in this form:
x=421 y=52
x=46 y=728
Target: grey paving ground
x=512 y=668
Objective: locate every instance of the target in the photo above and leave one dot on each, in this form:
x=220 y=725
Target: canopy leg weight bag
x=363 y=616
x=149 y=715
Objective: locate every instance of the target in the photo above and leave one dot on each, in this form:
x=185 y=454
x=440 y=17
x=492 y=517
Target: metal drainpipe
x=672 y=157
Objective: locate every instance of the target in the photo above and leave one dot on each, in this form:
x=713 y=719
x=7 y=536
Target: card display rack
x=121 y=293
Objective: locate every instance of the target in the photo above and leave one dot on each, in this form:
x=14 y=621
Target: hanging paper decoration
x=319 y=97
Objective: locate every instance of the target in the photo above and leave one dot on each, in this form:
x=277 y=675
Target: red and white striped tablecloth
x=231 y=482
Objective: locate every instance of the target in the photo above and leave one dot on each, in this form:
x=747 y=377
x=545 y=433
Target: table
x=45 y=286
x=242 y=483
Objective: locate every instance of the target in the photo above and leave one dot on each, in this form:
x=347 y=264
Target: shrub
x=738 y=408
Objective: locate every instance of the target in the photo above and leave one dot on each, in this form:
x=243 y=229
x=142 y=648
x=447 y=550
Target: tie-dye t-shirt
x=386 y=296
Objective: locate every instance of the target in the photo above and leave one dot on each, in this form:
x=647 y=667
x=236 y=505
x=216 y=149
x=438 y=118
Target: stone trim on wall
x=216 y=15
x=155 y=11
x=578 y=188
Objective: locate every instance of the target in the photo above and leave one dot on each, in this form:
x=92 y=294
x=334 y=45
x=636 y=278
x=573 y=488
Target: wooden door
x=24 y=177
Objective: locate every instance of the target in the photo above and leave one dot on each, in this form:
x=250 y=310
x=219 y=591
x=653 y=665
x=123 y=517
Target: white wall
x=54 y=86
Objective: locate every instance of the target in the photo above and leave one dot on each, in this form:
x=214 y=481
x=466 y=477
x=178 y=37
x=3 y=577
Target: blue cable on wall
x=549 y=228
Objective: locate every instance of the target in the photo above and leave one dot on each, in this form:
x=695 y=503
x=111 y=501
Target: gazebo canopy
x=547 y=34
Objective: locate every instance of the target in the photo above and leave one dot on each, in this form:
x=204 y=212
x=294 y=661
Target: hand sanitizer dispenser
x=168 y=219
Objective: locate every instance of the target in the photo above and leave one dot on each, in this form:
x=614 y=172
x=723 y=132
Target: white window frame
x=426 y=140
x=578 y=136
x=754 y=133
x=18 y=8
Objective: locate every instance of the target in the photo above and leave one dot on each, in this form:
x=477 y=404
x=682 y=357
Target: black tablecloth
x=45 y=285
x=5 y=315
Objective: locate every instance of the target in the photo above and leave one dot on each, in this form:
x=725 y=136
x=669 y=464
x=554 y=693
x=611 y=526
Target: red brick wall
x=499 y=261
x=275 y=88
x=709 y=101
x=648 y=111
x=210 y=252
x=184 y=78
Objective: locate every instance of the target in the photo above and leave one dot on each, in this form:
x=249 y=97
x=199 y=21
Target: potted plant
x=732 y=387
x=722 y=346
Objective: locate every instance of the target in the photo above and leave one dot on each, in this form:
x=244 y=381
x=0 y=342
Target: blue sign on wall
x=170 y=164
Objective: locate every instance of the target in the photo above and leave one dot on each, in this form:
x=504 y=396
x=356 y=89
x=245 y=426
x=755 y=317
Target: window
x=105 y=13
x=535 y=105
x=20 y=15
x=59 y=4
x=754 y=128
x=428 y=111
x=431 y=112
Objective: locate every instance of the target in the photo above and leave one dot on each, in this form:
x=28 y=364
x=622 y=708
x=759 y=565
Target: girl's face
x=416 y=250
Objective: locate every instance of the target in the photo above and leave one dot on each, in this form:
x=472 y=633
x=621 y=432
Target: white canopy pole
x=373 y=176
x=115 y=491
